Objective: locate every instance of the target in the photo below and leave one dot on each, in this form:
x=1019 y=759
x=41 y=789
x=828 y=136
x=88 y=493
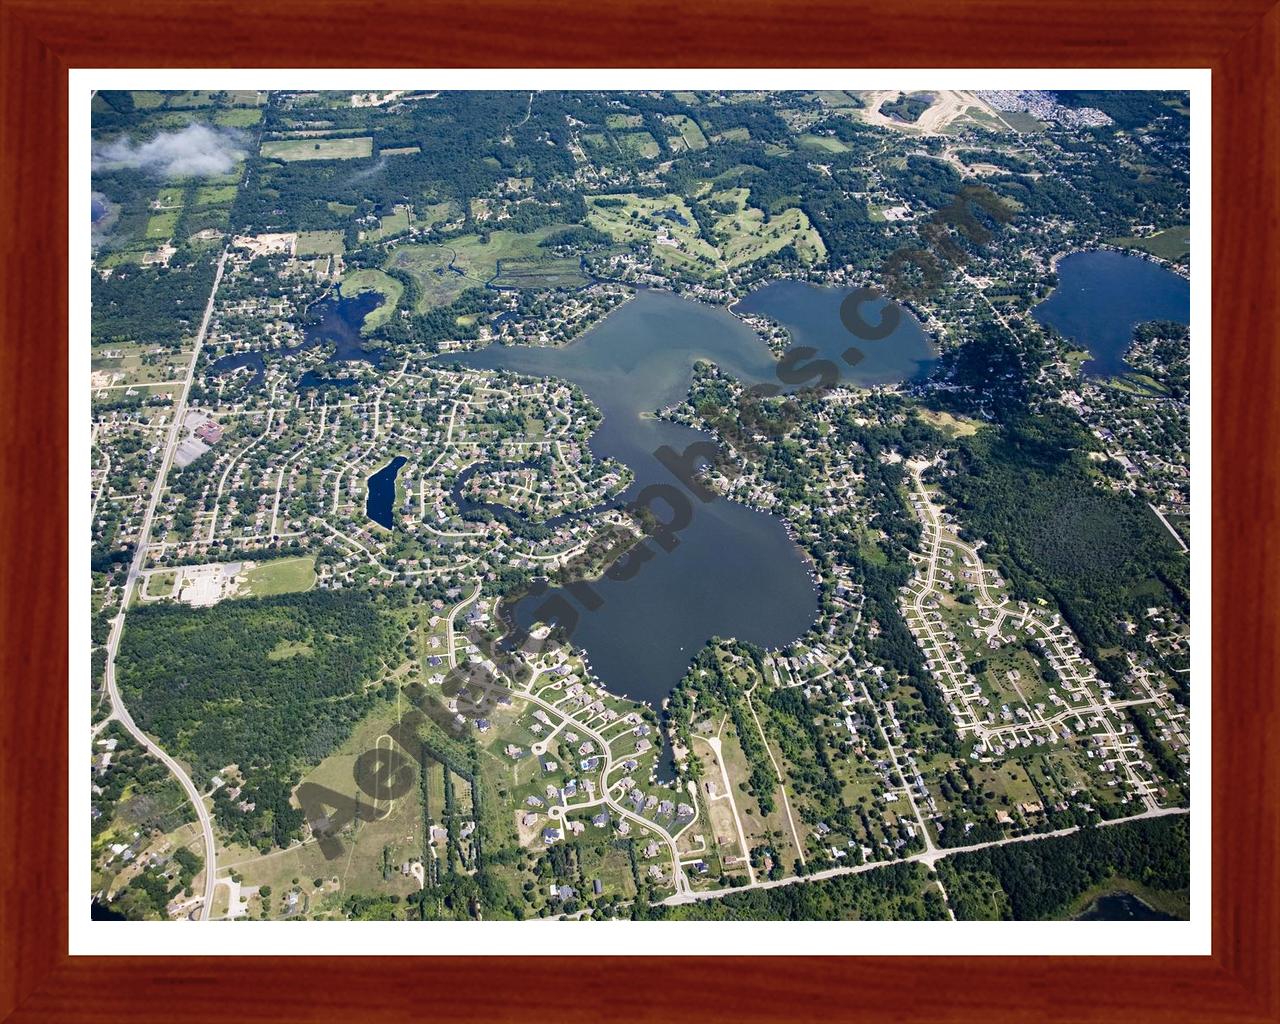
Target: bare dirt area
x=948 y=105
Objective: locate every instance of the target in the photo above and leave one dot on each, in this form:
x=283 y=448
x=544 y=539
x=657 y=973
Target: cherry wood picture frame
x=41 y=39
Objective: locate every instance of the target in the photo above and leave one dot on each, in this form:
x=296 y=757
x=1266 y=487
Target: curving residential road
x=118 y=710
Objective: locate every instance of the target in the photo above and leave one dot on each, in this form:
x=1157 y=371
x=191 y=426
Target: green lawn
x=280 y=576
x=160 y=584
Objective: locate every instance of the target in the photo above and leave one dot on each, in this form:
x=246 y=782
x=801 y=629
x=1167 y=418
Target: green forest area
x=1030 y=881
x=269 y=684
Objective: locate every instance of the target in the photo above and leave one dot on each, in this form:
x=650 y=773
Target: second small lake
x=811 y=313
x=337 y=322
x=1100 y=298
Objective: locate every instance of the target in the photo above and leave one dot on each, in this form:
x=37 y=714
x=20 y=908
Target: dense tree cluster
x=1027 y=489
x=155 y=305
x=1041 y=879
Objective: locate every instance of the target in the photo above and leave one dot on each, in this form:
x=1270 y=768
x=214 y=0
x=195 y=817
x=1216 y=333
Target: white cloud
x=196 y=151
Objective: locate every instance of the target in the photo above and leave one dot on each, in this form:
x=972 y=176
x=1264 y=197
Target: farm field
x=238 y=117
x=319 y=243
x=318 y=149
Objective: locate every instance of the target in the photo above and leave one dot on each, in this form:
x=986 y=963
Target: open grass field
x=624 y=120
x=953 y=426
x=770 y=829
x=431 y=214
x=1170 y=244
x=688 y=132
x=160 y=584
x=398 y=221
x=318 y=149
x=160 y=226
x=749 y=237
x=157 y=393
x=168 y=198
x=396 y=830
x=826 y=143
x=548 y=273
x=317 y=243
x=212 y=195
x=640 y=144
x=146 y=100
x=238 y=117
x=979 y=118
x=400 y=151
x=280 y=576
x=193 y=98
x=246 y=97
x=1021 y=121
x=667 y=214
x=357 y=281
x=837 y=98
x=443 y=272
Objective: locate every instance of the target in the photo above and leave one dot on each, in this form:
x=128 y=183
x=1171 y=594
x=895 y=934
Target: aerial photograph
x=638 y=506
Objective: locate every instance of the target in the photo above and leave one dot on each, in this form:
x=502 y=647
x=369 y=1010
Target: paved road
x=118 y=710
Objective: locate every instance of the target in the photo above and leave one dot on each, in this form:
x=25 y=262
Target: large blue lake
x=1100 y=298
x=735 y=571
